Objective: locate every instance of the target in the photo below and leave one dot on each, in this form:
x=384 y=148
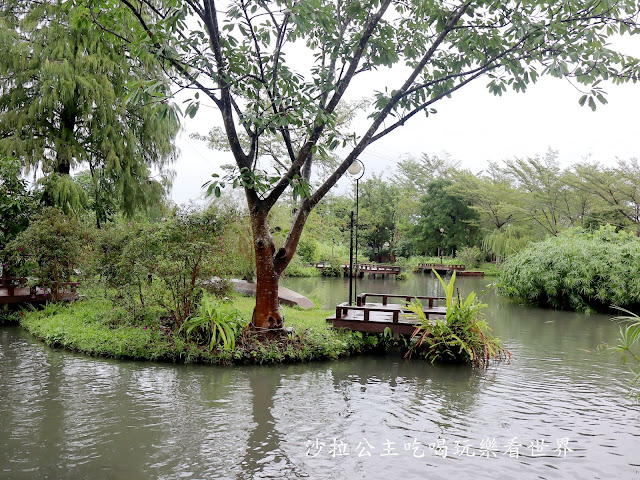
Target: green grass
x=86 y=327
x=8 y=318
x=489 y=269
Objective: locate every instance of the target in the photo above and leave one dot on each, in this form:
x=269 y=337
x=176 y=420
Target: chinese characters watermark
x=440 y=447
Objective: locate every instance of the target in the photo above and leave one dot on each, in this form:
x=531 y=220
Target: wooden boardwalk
x=441 y=268
x=375 y=317
x=15 y=291
x=361 y=269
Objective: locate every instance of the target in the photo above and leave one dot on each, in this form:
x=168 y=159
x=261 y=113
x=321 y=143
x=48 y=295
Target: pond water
x=558 y=410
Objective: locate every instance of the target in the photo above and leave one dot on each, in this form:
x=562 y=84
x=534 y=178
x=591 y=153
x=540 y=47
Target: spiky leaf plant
x=462 y=336
x=214 y=324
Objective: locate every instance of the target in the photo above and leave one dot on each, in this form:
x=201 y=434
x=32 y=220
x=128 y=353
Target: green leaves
x=589 y=99
x=463 y=336
x=258 y=180
x=78 y=100
x=214 y=324
x=629 y=340
x=576 y=270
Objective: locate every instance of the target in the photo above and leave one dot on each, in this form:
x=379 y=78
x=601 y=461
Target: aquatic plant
x=462 y=336
x=213 y=324
x=629 y=342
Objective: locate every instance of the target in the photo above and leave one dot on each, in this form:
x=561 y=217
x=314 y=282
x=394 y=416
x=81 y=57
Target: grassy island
x=89 y=327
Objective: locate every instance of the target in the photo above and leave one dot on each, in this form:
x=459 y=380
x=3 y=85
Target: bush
x=16 y=202
x=297 y=268
x=308 y=250
x=214 y=324
x=164 y=264
x=50 y=249
x=463 y=336
x=333 y=271
x=470 y=256
x=577 y=270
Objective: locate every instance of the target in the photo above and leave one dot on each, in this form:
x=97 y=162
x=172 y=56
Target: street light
x=356 y=170
x=441 y=244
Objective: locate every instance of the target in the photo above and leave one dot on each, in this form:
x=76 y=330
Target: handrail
x=361 y=299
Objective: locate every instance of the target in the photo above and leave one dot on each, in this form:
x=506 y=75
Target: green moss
x=87 y=327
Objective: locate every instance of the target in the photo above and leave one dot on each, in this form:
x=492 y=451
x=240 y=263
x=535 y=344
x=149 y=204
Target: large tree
x=447 y=222
x=63 y=90
x=616 y=190
x=237 y=53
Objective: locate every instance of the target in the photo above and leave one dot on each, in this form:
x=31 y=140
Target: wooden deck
x=15 y=291
x=460 y=269
x=373 y=269
x=440 y=267
x=470 y=273
x=375 y=317
x=361 y=269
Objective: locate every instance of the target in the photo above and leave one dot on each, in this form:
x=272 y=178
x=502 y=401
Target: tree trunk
x=266 y=314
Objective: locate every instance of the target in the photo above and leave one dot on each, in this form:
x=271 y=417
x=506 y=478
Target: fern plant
x=213 y=324
x=462 y=336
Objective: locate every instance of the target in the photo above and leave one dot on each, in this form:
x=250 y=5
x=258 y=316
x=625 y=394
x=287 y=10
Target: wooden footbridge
x=375 y=317
x=441 y=268
x=17 y=291
x=361 y=269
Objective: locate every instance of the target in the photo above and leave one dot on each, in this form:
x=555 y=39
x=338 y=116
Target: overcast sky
x=473 y=126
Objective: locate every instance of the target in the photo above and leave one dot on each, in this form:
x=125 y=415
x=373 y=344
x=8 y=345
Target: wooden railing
x=37 y=292
x=441 y=266
x=343 y=309
x=373 y=268
x=362 y=298
x=11 y=283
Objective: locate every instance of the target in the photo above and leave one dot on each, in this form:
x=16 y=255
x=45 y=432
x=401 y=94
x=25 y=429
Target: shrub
x=629 y=341
x=308 y=250
x=164 y=264
x=214 y=324
x=462 y=336
x=470 y=256
x=333 y=271
x=297 y=268
x=577 y=270
x=16 y=202
x=50 y=249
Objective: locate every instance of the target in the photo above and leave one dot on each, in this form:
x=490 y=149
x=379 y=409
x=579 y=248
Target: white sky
x=473 y=127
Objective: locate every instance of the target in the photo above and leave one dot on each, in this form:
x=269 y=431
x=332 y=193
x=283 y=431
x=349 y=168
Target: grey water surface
x=558 y=410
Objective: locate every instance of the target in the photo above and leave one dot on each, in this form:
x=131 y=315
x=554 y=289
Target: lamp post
x=441 y=244
x=356 y=170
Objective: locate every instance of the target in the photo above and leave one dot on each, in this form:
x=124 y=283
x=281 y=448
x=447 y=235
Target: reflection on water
x=68 y=416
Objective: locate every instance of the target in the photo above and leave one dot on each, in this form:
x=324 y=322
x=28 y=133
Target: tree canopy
x=238 y=55
x=63 y=104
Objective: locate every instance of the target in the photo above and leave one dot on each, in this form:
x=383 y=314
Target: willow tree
x=238 y=54
x=63 y=90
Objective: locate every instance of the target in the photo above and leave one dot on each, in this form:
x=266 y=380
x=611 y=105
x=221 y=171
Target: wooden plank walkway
x=376 y=317
x=470 y=273
x=440 y=267
x=460 y=269
x=361 y=269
